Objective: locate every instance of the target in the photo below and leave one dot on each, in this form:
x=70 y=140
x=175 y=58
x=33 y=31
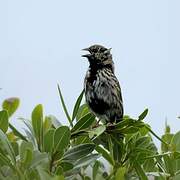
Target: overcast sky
x=41 y=42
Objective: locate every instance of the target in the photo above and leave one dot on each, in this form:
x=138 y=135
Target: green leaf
x=98 y=170
x=28 y=156
x=62 y=137
x=17 y=133
x=175 y=143
x=84 y=122
x=95 y=132
x=143 y=115
x=85 y=161
x=128 y=130
x=76 y=107
x=95 y=169
x=124 y=123
x=169 y=164
x=87 y=178
x=61 y=177
x=64 y=106
x=71 y=174
x=143 y=142
x=11 y=105
x=82 y=140
x=15 y=147
x=66 y=166
x=39 y=158
x=59 y=171
x=55 y=121
x=83 y=110
x=43 y=174
x=25 y=152
x=120 y=173
x=49 y=140
x=37 y=123
x=140 y=172
x=6 y=145
x=167 y=138
x=47 y=124
x=4 y=160
x=4 y=121
x=105 y=154
x=149 y=165
x=78 y=151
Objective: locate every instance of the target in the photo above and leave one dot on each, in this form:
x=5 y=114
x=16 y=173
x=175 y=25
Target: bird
x=102 y=88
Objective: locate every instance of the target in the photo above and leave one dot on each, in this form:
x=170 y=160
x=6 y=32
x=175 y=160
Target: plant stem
x=153 y=133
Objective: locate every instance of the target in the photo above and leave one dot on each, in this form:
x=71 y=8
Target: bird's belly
x=97 y=100
x=102 y=98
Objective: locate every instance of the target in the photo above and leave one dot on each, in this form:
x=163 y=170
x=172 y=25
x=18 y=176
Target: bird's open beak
x=85 y=49
x=86 y=55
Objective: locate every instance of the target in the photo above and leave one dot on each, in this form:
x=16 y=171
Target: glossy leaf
x=175 y=143
x=78 y=151
x=11 y=105
x=143 y=142
x=47 y=124
x=39 y=158
x=124 y=123
x=17 y=133
x=143 y=115
x=5 y=145
x=15 y=147
x=66 y=166
x=86 y=160
x=37 y=124
x=76 y=107
x=167 y=138
x=30 y=131
x=28 y=156
x=98 y=170
x=55 y=121
x=43 y=174
x=25 y=153
x=140 y=171
x=62 y=137
x=85 y=122
x=95 y=132
x=129 y=130
x=4 y=121
x=82 y=111
x=59 y=170
x=4 y=160
x=105 y=154
x=11 y=137
x=49 y=140
x=169 y=164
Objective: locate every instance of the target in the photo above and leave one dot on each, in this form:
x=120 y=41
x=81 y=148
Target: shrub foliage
x=49 y=150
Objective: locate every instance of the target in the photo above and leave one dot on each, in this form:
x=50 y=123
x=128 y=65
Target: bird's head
x=98 y=55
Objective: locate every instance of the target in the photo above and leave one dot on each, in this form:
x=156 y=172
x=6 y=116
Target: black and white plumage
x=102 y=89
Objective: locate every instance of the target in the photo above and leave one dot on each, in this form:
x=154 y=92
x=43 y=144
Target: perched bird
x=102 y=89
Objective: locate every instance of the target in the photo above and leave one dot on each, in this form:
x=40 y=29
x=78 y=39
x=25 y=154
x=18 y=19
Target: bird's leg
x=97 y=123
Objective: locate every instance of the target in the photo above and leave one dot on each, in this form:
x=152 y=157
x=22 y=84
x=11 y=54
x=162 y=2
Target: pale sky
x=41 y=42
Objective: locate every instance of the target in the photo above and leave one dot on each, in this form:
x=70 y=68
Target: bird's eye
x=106 y=53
